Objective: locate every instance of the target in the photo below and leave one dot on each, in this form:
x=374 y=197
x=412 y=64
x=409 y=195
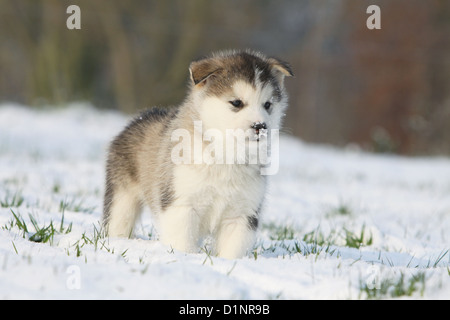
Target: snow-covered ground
x=337 y=223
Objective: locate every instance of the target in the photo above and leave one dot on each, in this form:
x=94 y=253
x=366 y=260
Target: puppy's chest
x=214 y=188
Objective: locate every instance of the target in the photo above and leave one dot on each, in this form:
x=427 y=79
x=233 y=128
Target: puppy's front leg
x=180 y=228
x=236 y=236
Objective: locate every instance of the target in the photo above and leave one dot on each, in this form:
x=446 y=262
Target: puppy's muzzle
x=258 y=126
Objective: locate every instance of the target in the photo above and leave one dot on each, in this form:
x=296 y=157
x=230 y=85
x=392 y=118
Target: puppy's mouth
x=260 y=130
x=258 y=134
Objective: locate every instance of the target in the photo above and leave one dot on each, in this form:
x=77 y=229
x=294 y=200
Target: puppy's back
x=133 y=154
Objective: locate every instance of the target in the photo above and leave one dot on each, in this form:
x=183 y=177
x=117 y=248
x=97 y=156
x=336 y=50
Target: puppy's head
x=240 y=90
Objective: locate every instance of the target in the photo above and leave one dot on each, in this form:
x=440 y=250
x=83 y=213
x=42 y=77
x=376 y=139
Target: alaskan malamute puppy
x=190 y=197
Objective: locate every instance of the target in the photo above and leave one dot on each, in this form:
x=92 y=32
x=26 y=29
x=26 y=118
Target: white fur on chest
x=218 y=192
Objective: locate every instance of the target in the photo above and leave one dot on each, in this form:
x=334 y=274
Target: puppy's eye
x=267 y=105
x=237 y=103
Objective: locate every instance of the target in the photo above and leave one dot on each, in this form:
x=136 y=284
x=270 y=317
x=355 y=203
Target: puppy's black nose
x=259 y=125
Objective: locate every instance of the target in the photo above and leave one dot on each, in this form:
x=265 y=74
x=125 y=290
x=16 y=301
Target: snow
x=398 y=206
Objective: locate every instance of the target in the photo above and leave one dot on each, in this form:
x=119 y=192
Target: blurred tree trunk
x=121 y=61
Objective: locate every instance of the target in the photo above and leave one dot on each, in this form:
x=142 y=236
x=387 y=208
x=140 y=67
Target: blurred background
x=386 y=90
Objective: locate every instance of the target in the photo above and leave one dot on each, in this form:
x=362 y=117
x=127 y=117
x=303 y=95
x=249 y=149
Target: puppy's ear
x=281 y=69
x=281 y=66
x=202 y=69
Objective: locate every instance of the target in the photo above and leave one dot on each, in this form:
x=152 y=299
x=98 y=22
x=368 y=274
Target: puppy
x=192 y=164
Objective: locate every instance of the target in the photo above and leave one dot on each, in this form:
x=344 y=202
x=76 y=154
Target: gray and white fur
x=228 y=90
